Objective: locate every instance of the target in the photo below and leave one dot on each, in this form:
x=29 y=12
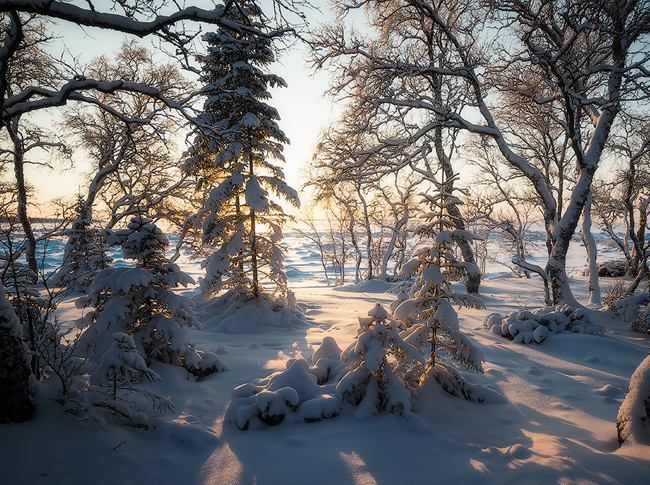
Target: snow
x=549 y=414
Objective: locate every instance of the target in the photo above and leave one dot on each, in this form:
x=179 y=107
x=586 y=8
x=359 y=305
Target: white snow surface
x=554 y=423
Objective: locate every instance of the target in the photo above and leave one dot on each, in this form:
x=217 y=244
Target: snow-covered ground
x=551 y=419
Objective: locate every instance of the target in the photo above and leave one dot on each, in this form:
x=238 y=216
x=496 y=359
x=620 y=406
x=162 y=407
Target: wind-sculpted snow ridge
x=526 y=327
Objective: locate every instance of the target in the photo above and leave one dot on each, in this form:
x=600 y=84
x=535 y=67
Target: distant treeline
x=37 y=220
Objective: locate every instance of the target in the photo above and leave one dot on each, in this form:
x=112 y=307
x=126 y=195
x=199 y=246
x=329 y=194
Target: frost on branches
x=138 y=301
x=84 y=256
x=428 y=312
x=231 y=157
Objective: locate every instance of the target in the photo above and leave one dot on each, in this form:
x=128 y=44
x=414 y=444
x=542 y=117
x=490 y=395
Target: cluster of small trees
x=122 y=113
x=369 y=226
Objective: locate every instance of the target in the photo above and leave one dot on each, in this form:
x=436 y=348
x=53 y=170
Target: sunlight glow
x=358 y=471
x=222 y=466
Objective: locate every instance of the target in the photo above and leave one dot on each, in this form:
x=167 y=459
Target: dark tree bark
x=15 y=402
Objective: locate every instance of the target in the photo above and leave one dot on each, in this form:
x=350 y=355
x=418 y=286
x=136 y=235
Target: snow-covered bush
x=301 y=392
x=610 y=269
x=642 y=323
x=327 y=365
x=633 y=421
x=629 y=310
x=616 y=291
x=527 y=327
x=111 y=386
x=139 y=302
x=232 y=159
x=428 y=313
x=48 y=344
x=379 y=362
x=85 y=254
x=293 y=392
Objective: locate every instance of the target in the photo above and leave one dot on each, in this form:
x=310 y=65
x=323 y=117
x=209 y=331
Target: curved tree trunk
x=21 y=191
x=592 y=253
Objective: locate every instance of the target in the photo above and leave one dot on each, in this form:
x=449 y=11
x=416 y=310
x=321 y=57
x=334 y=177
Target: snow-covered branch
x=90 y=17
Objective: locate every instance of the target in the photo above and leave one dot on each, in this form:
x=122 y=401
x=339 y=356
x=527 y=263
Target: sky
x=303 y=108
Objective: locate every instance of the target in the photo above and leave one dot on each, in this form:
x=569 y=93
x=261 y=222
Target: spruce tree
x=237 y=140
x=433 y=321
x=378 y=362
x=85 y=255
x=139 y=302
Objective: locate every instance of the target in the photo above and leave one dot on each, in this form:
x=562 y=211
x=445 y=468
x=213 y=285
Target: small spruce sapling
x=377 y=363
x=85 y=254
x=434 y=327
x=111 y=386
x=139 y=302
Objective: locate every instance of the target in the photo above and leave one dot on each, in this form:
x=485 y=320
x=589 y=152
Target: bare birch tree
x=593 y=56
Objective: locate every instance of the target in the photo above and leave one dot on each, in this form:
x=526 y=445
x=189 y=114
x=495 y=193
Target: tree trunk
x=15 y=404
x=590 y=245
x=253 y=240
x=556 y=270
x=368 y=232
x=387 y=254
x=21 y=191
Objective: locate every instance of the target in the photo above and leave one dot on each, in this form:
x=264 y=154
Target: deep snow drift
x=550 y=416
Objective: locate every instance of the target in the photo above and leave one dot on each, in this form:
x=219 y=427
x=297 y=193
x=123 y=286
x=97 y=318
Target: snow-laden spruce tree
x=139 y=302
x=429 y=311
x=232 y=155
x=85 y=254
x=379 y=362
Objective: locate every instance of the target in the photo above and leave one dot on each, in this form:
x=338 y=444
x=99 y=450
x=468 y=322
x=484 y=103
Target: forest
x=462 y=264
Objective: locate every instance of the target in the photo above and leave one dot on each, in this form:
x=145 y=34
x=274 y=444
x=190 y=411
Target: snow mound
x=526 y=327
x=633 y=421
x=233 y=315
x=293 y=392
x=370 y=286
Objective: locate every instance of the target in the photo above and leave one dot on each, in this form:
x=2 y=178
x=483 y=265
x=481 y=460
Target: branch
x=22 y=103
x=119 y=23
